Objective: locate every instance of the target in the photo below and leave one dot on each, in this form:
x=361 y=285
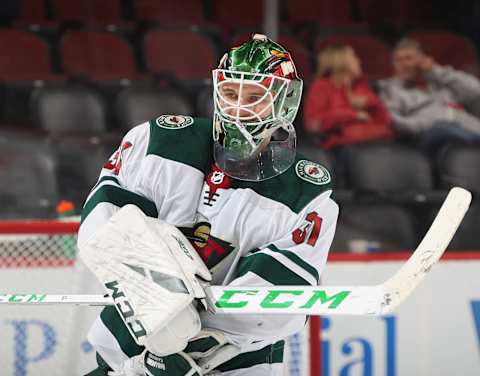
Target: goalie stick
x=314 y=300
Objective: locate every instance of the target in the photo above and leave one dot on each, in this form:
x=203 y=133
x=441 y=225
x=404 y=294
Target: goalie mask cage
x=41 y=257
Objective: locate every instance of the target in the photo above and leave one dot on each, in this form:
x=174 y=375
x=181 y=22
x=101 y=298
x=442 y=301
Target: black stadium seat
x=466 y=238
x=137 y=105
x=389 y=227
x=28 y=186
x=78 y=164
x=204 y=102
x=459 y=166
x=388 y=169
x=69 y=111
x=317 y=154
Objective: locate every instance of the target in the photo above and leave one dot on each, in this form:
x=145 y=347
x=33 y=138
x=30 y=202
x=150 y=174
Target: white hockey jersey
x=274 y=232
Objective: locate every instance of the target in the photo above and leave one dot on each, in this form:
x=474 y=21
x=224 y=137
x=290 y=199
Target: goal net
x=41 y=257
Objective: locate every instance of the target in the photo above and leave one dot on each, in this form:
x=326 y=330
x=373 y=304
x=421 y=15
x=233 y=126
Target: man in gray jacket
x=428 y=100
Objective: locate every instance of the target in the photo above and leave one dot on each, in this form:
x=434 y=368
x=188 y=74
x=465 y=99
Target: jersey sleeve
x=297 y=258
x=159 y=167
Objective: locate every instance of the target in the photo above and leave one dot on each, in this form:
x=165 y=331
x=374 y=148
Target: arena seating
x=172 y=52
x=171 y=12
x=137 y=105
x=16 y=45
x=466 y=237
x=459 y=165
x=449 y=49
x=72 y=110
x=382 y=226
x=27 y=172
x=373 y=52
x=326 y=13
x=90 y=13
x=99 y=56
x=388 y=169
x=85 y=72
x=203 y=103
x=233 y=16
x=33 y=12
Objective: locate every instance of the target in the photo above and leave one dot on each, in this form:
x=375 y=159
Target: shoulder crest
x=312 y=172
x=174 y=121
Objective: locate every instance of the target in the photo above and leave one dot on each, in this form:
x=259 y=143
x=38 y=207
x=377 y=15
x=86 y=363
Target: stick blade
x=429 y=251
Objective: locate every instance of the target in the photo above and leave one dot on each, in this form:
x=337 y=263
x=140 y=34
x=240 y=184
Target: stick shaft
x=312 y=300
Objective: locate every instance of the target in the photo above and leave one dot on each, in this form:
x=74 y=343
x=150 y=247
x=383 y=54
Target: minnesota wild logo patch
x=312 y=172
x=174 y=121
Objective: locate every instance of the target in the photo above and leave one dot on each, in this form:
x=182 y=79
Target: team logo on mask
x=312 y=172
x=174 y=121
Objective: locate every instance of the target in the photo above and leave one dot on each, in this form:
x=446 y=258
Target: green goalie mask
x=256 y=97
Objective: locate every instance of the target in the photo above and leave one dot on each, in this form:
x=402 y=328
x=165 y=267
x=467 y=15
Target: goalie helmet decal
x=257 y=93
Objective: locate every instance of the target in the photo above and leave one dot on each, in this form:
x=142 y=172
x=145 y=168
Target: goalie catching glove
x=154 y=276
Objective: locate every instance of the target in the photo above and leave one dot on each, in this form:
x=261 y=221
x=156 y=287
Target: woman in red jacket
x=340 y=106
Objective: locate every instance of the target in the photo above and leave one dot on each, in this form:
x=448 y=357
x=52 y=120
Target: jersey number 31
x=309 y=230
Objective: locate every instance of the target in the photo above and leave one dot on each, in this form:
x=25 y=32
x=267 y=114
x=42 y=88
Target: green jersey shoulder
x=183 y=139
x=296 y=187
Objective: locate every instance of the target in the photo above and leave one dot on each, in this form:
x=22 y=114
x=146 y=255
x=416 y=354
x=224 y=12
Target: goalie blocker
x=154 y=277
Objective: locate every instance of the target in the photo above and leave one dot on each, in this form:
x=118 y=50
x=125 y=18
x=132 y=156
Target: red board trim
x=38 y=227
x=398 y=256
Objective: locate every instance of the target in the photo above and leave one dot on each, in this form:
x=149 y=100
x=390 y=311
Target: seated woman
x=340 y=106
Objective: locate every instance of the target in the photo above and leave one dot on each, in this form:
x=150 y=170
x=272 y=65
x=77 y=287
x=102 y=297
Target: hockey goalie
x=186 y=202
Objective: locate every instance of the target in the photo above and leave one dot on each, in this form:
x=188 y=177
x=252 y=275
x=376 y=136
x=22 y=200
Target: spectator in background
x=340 y=106
x=427 y=100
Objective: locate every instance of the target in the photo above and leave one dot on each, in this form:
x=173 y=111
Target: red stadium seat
x=325 y=12
x=186 y=54
x=171 y=12
x=400 y=15
x=373 y=53
x=33 y=13
x=99 y=56
x=89 y=12
x=237 y=15
x=449 y=49
x=299 y=52
x=24 y=57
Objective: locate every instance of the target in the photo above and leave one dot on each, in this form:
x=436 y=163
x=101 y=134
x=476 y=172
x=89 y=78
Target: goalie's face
x=251 y=124
x=256 y=94
x=245 y=102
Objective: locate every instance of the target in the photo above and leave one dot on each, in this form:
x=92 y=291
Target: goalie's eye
x=230 y=95
x=254 y=98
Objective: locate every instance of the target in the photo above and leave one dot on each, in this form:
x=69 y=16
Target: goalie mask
x=256 y=96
